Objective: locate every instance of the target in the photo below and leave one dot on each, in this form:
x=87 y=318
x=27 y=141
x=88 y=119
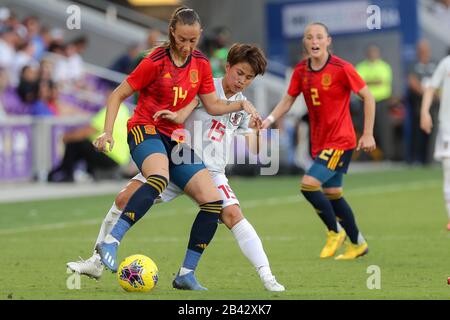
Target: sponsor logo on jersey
x=326 y=81
x=194 y=76
x=236 y=118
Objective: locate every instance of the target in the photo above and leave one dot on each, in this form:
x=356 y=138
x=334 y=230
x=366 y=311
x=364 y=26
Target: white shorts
x=442 y=147
x=172 y=191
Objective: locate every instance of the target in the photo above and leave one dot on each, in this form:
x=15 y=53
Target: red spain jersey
x=163 y=85
x=327 y=94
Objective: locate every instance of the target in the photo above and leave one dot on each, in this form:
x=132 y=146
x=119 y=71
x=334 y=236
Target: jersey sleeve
x=295 y=86
x=355 y=82
x=207 y=81
x=439 y=74
x=144 y=74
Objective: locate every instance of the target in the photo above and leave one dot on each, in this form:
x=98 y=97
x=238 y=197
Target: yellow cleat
x=334 y=241
x=354 y=251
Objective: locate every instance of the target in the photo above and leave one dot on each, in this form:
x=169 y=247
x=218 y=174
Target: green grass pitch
x=401 y=213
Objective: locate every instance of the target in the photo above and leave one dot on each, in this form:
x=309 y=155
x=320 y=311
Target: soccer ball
x=137 y=273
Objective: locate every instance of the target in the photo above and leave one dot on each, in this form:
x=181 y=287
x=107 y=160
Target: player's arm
x=281 y=109
x=367 y=141
x=216 y=107
x=253 y=137
x=179 y=116
x=414 y=84
x=122 y=92
x=426 y=123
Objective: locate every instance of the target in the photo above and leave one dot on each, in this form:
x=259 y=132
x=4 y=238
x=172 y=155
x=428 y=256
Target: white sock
x=251 y=246
x=108 y=223
x=361 y=239
x=446 y=167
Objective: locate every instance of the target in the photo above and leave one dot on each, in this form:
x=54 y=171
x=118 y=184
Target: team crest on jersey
x=236 y=117
x=150 y=129
x=326 y=81
x=194 y=76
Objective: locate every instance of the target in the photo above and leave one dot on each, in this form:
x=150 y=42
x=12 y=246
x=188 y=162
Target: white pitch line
x=390 y=188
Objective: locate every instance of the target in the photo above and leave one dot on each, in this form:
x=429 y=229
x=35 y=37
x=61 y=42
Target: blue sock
x=345 y=213
x=120 y=228
x=138 y=205
x=322 y=205
x=191 y=259
x=202 y=232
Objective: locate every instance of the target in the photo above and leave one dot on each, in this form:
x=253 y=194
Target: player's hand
x=102 y=142
x=251 y=110
x=367 y=143
x=426 y=123
x=254 y=123
x=266 y=124
x=166 y=114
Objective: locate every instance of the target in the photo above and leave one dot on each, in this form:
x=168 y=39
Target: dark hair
x=251 y=54
x=185 y=16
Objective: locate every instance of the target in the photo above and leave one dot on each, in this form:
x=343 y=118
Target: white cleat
x=91 y=267
x=271 y=284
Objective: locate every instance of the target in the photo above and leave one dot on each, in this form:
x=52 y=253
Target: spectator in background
x=378 y=76
x=23 y=57
x=420 y=145
x=79 y=147
x=218 y=59
x=28 y=88
x=124 y=63
x=73 y=63
x=33 y=28
x=45 y=105
x=153 y=39
x=8 y=41
x=76 y=62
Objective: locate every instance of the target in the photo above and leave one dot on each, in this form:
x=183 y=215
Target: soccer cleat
x=187 y=282
x=334 y=241
x=354 y=251
x=271 y=284
x=108 y=254
x=91 y=267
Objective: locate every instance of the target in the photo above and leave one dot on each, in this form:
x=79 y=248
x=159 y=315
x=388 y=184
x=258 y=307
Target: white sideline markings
x=390 y=188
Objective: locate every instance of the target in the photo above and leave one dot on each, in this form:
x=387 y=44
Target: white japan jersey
x=441 y=79
x=217 y=132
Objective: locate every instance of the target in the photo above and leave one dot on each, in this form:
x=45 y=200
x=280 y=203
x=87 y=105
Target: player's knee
x=231 y=215
x=333 y=193
x=122 y=199
x=310 y=181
